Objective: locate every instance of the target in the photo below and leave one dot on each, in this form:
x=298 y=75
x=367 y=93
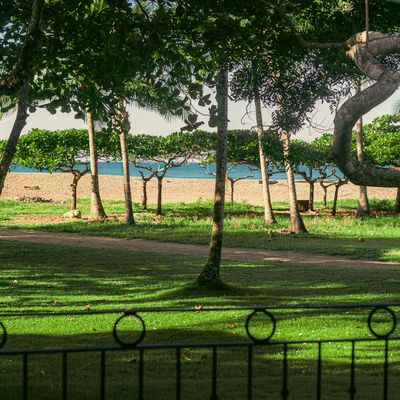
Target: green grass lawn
x=373 y=238
x=53 y=278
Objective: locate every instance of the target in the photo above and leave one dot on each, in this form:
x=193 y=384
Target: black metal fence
x=258 y=334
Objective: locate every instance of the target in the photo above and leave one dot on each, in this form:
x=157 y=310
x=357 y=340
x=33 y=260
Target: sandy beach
x=57 y=187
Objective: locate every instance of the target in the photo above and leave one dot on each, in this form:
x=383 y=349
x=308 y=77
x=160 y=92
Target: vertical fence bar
x=141 y=375
x=250 y=372
x=64 y=376
x=285 y=391
x=214 y=395
x=352 y=389
x=25 y=376
x=178 y=373
x=102 y=375
x=319 y=371
x=385 y=371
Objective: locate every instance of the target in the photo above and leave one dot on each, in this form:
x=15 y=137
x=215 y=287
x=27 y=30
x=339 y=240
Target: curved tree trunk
x=387 y=82
x=269 y=217
x=96 y=206
x=296 y=221
x=159 y=195
x=397 y=205
x=19 y=123
x=363 y=203
x=210 y=275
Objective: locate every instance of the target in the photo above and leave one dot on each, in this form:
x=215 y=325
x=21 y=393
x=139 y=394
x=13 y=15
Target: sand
x=57 y=187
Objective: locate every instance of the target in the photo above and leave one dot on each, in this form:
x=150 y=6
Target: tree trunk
x=269 y=217
x=232 y=184
x=335 y=197
x=397 y=205
x=129 y=219
x=19 y=123
x=296 y=221
x=363 y=205
x=159 y=195
x=324 y=198
x=74 y=187
x=210 y=275
x=387 y=82
x=144 y=194
x=311 y=196
x=96 y=206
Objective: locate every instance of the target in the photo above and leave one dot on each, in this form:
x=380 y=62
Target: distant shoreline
x=57 y=187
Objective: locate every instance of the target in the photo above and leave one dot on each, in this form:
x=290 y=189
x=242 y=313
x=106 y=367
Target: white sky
x=151 y=123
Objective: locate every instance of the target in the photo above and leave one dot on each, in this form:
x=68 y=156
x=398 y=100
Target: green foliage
x=382 y=141
x=61 y=150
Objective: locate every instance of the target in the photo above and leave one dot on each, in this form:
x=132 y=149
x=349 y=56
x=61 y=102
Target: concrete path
x=197 y=250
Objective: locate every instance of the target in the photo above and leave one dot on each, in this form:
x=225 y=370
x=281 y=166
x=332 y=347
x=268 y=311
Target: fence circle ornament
x=130 y=344
x=3 y=336
x=269 y=317
x=393 y=322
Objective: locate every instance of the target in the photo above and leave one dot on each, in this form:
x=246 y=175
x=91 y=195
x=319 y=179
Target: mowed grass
x=373 y=238
x=48 y=278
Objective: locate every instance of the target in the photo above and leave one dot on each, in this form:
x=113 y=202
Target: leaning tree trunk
x=296 y=221
x=21 y=77
x=397 y=204
x=363 y=204
x=325 y=195
x=210 y=275
x=387 y=82
x=123 y=126
x=19 y=123
x=96 y=206
x=269 y=217
x=159 y=195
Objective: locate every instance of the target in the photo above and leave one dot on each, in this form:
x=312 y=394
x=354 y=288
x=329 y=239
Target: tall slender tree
x=210 y=275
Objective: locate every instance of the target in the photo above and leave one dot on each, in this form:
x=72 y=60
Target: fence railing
x=259 y=333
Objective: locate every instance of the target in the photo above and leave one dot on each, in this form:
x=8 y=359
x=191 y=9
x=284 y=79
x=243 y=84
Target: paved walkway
x=197 y=250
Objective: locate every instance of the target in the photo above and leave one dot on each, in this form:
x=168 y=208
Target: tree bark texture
x=397 y=204
x=123 y=126
x=159 y=194
x=363 y=204
x=387 y=81
x=296 y=221
x=96 y=206
x=210 y=275
x=269 y=217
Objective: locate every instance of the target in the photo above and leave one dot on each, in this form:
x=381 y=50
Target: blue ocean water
x=190 y=170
